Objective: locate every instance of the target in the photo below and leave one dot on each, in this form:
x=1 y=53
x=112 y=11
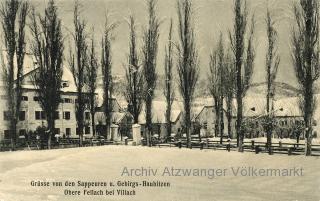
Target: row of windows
x=36 y=99
x=40 y=115
x=23 y=98
x=22 y=116
x=68 y=131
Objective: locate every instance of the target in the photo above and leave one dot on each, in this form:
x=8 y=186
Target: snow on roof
x=29 y=63
x=159 y=112
x=66 y=77
x=116 y=117
x=256 y=106
x=289 y=106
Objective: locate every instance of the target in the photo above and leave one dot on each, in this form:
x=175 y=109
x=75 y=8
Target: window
x=87 y=115
x=56 y=115
x=66 y=115
x=64 y=84
x=205 y=125
x=36 y=98
x=4 y=97
x=24 y=98
x=40 y=115
x=68 y=132
x=37 y=115
x=6 y=134
x=87 y=130
x=6 y=115
x=22 y=115
x=22 y=132
x=67 y=100
x=57 y=131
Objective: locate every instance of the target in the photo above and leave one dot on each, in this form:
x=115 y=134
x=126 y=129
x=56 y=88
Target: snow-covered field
x=18 y=169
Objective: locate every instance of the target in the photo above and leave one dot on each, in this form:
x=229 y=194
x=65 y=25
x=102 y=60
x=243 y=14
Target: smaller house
x=286 y=112
x=119 y=117
x=159 y=118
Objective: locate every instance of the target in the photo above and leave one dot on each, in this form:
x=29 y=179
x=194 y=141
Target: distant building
x=286 y=111
x=159 y=118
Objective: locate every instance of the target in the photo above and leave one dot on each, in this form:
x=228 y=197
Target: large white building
x=32 y=115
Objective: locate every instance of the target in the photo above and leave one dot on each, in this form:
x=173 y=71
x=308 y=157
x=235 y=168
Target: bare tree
x=134 y=76
x=11 y=13
x=150 y=51
x=47 y=47
x=92 y=70
x=188 y=60
x=216 y=84
x=244 y=54
x=106 y=64
x=305 y=55
x=229 y=85
x=169 y=90
x=77 y=62
x=272 y=64
x=214 y=87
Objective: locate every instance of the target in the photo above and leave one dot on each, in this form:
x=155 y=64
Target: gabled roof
x=116 y=117
x=256 y=106
x=159 y=112
x=66 y=77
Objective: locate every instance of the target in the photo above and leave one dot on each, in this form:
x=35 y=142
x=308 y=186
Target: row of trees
x=13 y=20
x=47 y=46
x=235 y=61
x=231 y=65
x=141 y=82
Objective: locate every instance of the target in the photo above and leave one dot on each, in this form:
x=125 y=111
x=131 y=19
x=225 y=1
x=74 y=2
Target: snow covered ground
x=18 y=169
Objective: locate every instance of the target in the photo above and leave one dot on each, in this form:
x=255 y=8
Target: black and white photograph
x=160 y=100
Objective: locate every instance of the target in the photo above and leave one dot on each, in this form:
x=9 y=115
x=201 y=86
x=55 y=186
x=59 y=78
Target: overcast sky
x=212 y=16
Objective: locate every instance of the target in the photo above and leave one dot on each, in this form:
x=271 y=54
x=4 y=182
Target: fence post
x=229 y=145
x=252 y=144
x=257 y=149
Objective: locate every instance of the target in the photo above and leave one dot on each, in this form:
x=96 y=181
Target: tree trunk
x=221 y=120
x=269 y=136
x=217 y=122
x=308 y=142
x=240 y=134
x=168 y=119
x=229 y=117
x=93 y=124
x=187 y=123
x=51 y=127
x=80 y=128
x=149 y=119
x=13 y=134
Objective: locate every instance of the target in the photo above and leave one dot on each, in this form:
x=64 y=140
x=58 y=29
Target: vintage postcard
x=159 y=100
